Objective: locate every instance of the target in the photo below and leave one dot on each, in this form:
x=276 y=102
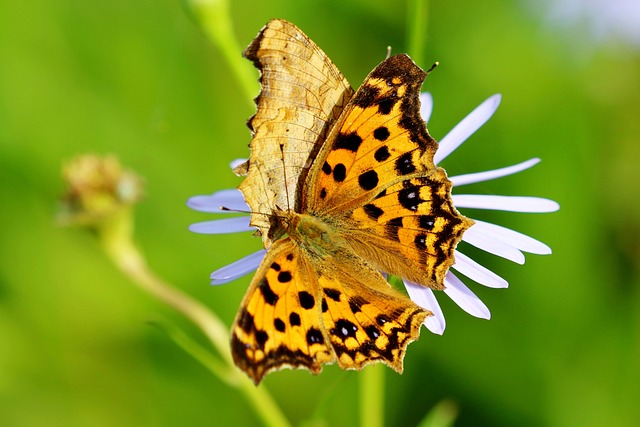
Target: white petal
x=237 y=269
x=472 y=178
x=230 y=199
x=424 y=297
x=466 y=127
x=426 y=105
x=235 y=163
x=222 y=226
x=475 y=271
x=511 y=237
x=489 y=243
x=505 y=203
x=466 y=300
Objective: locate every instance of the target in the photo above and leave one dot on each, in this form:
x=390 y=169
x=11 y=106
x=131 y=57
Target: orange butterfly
x=342 y=185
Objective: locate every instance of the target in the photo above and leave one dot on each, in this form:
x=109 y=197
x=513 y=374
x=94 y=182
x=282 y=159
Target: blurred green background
x=140 y=79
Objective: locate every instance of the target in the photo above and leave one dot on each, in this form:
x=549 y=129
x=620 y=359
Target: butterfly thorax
x=315 y=235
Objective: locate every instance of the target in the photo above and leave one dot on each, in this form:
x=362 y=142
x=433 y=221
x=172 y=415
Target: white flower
x=491 y=238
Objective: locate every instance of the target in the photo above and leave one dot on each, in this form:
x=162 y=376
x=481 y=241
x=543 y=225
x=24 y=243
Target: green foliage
x=142 y=81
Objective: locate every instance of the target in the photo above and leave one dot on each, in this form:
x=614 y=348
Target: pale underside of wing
x=302 y=94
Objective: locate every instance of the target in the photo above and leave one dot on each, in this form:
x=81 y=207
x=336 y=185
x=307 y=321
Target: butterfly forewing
x=302 y=94
x=379 y=139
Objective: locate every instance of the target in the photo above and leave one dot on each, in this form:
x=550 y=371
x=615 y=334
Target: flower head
x=97 y=187
x=491 y=238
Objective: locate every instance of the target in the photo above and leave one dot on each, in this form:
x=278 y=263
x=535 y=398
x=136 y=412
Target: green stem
x=443 y=414
x=258 y=396
x=215 y=19
x=417 y=19
x=116 y=239
x=198 y=352
x=115 y=236
x=372 y=396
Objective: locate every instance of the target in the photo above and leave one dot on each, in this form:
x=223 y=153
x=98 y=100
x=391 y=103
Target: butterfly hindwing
x=279 y=322
x=366 y=320
x=304 y=311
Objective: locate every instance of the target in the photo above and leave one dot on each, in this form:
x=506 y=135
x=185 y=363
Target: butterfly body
x=355 y=173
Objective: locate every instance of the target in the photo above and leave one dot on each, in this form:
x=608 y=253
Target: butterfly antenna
x=388 y=52
x=226 y=209
x=435 y=64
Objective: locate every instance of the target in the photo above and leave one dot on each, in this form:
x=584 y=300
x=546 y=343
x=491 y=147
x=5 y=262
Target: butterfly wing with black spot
x=379 y=139
x=366 y=320
x=411 y=230
x=279 y=323
x=376 y=178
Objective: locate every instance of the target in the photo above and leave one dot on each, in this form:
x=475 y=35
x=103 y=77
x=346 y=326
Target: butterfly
x=341 y=186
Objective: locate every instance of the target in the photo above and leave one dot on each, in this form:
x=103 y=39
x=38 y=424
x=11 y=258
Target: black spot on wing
x=420 y=241
x=314 y=336
x=339 y=172
x=381 y=319
x=245 y=321
x=372 y=332
x=326 y=168
x=372 y=211
x=386 y=104
x=395 y=222
x=332 y=293
x=261 y=338
x=404 y=164
x=348 y=141
x=344 y=329
x=270 y=297
x=381 y=133
x=366 y=96
x=279 y=325
x=368 y=180
x=306 y=300
x=356 y=303
x=382 y=154
x=427 y=222
x=284 y=277
x=392 y=227
x=409 y=197
x=294 y=319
